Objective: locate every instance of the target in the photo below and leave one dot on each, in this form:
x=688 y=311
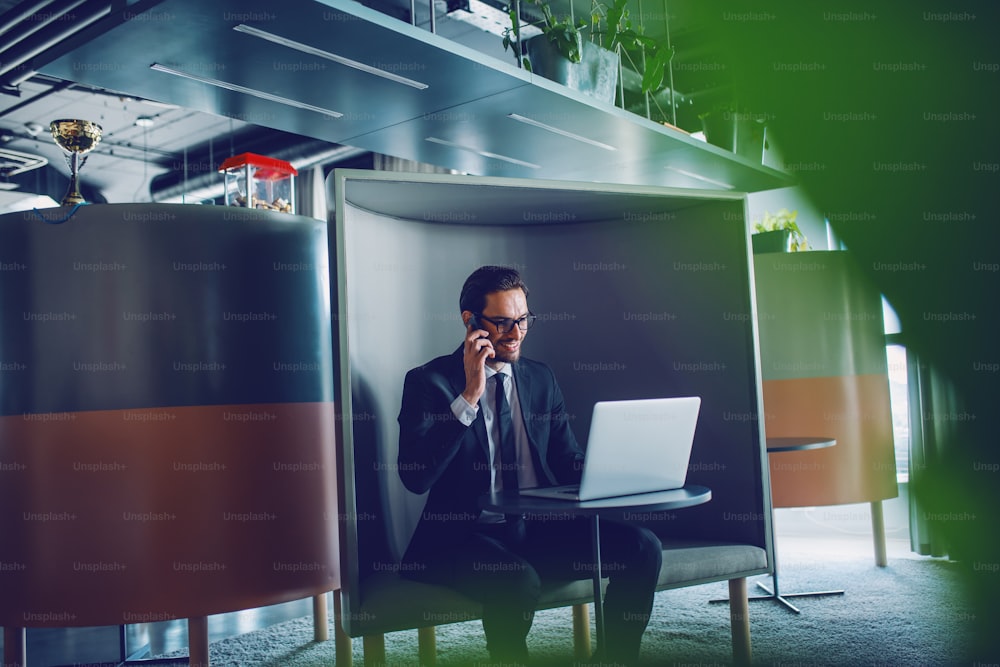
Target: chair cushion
x=390 y=602
x=689 y=563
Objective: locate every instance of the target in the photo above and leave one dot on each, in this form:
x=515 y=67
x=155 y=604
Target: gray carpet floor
x=909 y=613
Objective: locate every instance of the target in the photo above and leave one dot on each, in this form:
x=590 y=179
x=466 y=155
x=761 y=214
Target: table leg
x=198 y=641
x=321 y=625
x=776 y=593
x=595 y=531
x=739 y=621
x=878 y=533
x=778 y=596
x=783 y=597
x=342 y=648
x=581 y=632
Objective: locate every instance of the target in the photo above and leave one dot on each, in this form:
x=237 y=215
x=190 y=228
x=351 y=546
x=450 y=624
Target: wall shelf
x=319 y=69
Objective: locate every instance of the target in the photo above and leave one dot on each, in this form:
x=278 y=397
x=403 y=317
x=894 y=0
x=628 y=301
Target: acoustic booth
x=166 y=418
x=640 y=292
x=824 y=372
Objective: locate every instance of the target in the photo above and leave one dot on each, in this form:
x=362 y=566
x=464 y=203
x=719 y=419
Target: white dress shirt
x=466 y=413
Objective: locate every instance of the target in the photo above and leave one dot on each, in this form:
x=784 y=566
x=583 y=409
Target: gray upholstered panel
x=392 y=603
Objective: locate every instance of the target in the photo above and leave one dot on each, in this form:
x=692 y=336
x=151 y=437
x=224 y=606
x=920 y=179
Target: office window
x=895 y=354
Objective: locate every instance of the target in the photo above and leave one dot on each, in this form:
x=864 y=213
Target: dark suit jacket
x=439 y=454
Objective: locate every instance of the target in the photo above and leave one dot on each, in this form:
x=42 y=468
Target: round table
x=798 y=444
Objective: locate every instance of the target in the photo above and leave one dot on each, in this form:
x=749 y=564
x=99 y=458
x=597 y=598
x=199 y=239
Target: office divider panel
x=166 y=413
x=824 y=373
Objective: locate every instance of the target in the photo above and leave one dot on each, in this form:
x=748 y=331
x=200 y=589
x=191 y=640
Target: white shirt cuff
x=464 y=412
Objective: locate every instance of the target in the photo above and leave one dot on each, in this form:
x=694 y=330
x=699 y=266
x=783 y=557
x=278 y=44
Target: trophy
x=77 y=138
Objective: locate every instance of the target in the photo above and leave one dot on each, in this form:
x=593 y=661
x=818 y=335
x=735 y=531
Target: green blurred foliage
x=887 y=112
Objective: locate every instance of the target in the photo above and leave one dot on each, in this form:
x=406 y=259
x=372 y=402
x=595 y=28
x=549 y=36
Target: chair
x=376 y=599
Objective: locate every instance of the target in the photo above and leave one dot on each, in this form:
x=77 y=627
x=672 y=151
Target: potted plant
x=593 y=64
x=778 y=233
x=735 y=129
x=612 y=27
x=561 y=54
x=562 y=33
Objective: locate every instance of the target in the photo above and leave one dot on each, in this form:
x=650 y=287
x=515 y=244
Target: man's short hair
x=486 y=280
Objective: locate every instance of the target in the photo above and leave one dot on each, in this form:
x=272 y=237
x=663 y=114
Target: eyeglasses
x=505 y=324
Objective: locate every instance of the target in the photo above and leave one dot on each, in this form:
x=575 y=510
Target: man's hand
x=478 y=349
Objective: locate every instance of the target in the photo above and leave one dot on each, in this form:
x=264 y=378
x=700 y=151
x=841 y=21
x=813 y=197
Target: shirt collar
x=507 y=370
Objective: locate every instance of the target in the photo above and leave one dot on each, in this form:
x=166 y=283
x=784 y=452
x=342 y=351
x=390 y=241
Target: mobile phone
x=474 y=324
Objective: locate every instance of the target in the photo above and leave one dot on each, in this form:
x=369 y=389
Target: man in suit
x=485 y=418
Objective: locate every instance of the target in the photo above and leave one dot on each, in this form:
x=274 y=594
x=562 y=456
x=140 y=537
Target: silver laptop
x=635 y=446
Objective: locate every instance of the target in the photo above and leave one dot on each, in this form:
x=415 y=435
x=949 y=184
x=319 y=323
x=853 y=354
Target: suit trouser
x=503 y=566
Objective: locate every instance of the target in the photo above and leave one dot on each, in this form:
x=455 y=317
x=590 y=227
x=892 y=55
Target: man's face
x=510 y=304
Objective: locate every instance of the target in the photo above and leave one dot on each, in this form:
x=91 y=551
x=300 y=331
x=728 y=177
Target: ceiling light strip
x=487 y=154
x=706 y=179
x=548 y=128
x=312 y=50
x=236 y=88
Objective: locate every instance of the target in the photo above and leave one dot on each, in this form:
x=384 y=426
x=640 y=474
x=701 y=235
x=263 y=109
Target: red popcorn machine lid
x=268 y=168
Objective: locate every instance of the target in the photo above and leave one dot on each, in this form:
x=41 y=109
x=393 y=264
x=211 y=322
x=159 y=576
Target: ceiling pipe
x=57 y=10
x=19 y=12
x=25 y=52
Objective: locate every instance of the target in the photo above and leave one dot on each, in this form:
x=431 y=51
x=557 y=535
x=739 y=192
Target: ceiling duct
x=19 y=12
x=34 y=34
